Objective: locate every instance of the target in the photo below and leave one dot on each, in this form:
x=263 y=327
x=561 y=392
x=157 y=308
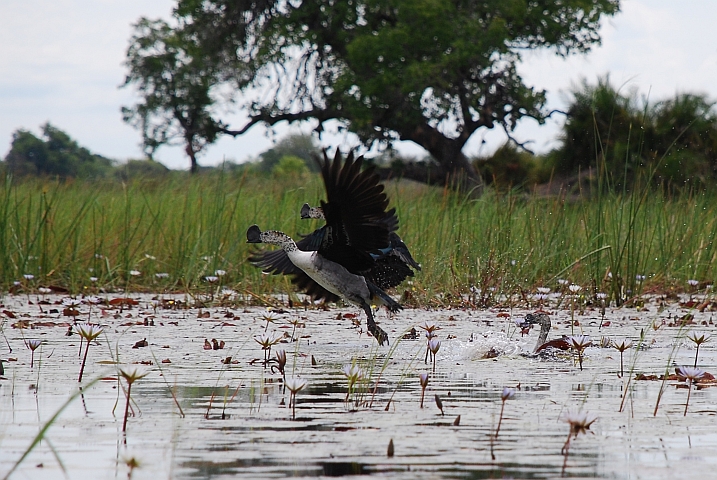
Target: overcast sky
x=62 y=62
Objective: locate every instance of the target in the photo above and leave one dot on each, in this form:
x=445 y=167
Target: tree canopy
x=672 y=141
x=175 y=84
x=430 y=71
x=56 y=154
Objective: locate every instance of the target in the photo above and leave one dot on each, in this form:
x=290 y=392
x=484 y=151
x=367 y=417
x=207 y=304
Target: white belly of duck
x=332 y=276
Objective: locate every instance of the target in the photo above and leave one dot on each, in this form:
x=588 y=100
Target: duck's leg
x=380 y=336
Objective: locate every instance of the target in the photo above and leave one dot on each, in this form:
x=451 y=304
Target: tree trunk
x=193 y=157
x=453 y=169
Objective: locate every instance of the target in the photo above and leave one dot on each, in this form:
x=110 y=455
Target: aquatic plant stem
x=697 y=352
x=126 y=408
x=689 y=391
x=564 y=451
x=84 y=359
x=500 y=419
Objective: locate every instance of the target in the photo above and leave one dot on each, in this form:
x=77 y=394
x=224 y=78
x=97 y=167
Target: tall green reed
x=503 y=245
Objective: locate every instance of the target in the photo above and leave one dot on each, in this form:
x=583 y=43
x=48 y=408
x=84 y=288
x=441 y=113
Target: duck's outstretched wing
x=356 y=209
x=277 y=262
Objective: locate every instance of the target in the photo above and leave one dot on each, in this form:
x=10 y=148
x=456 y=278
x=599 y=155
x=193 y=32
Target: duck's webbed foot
x=380 y=336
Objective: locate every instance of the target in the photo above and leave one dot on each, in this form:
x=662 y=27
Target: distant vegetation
x=163 y=230
x=611 y=140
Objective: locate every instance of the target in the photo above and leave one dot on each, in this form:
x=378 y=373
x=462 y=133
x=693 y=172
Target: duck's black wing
x=357 y=220
x=393 y=265
x=357 y=227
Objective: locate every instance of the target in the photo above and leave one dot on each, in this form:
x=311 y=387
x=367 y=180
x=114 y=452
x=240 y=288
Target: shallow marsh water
x=237 y=423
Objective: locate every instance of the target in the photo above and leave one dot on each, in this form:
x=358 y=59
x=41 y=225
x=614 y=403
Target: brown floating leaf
x=9 y=314
x=166 y=360
x=70 y=312
x=389 y=451
x=123 y=302
x=46 y=324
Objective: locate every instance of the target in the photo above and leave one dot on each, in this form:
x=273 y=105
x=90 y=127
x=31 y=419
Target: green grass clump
x=64 y=233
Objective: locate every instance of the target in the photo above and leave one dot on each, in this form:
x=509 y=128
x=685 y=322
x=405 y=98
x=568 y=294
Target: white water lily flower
x=429 y=327
x=507 y=394
x=543 y=290
x=579 y=421
x=295 y=384
x=88 y=331
x=220 y=273
x=135 y=273
x=575 y=288
x=132 y=373
x=353 y=373
x=266 y=340
x=579 y=342
x=71 y=302
x=693 y=373
x=93 y=299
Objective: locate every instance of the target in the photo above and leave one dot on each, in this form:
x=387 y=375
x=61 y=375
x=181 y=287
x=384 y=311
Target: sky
x=62 y=62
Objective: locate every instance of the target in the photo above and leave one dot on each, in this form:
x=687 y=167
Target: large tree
x=176 y=83
x=429 y=71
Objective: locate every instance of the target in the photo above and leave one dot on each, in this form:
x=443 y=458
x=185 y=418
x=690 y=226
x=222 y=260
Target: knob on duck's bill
x=253 y=235
x=305 y=209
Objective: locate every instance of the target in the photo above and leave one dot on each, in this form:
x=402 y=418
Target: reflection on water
x=237 y=423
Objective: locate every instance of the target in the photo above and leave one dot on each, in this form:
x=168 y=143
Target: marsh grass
x=483 y=250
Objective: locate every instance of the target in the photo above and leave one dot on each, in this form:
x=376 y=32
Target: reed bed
x=175 y=234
